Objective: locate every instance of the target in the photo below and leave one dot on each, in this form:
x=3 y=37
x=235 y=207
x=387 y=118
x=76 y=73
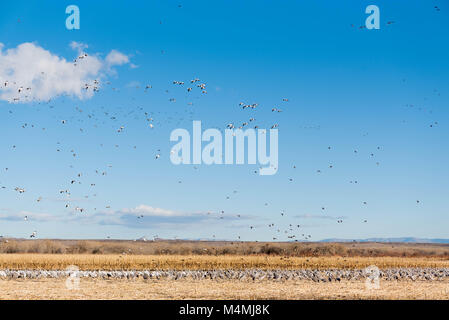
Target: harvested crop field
x=210 y=289
x=206 y=262
x=166 y=270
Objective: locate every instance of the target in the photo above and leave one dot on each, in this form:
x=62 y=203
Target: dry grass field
x=182 y=247
x=207 y=255
x=32 y=261
x=211 y=289
x=202 y=255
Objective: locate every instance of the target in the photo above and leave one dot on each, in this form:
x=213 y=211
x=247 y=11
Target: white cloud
x=141 y=216
x=80 y=47
x=318 y=216
x=144 y=216
x=151 y=211
x=30 y=216
x=32 y=73
x=116 y=58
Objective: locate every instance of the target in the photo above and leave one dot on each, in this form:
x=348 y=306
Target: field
x=196 y=262
x=178 y=247
x=209 y=289
x=179 y=256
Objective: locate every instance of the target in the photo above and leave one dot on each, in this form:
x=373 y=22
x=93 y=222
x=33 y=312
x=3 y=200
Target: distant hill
x=403 y=239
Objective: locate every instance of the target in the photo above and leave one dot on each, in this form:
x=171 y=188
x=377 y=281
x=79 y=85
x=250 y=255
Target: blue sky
x=374 y=91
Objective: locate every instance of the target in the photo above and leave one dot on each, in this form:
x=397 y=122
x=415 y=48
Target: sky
x=362 y=138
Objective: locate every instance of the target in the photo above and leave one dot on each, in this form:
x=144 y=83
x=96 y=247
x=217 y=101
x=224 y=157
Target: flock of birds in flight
x=292 y=232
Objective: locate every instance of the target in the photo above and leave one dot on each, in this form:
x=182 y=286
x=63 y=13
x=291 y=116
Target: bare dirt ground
x=211 y=289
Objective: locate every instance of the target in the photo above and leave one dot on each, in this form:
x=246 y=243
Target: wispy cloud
x=80 y=47
x=116 y=58
x=318 y=216
x=31 y=216
x=151 y=211
x=141 y=216
x=144 y=216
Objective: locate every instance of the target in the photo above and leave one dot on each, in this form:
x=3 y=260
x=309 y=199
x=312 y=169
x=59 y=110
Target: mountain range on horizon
x=384 y=240
x=400 y=239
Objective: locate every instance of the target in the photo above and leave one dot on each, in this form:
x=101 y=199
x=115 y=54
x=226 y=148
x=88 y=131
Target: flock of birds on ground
x=291 y=232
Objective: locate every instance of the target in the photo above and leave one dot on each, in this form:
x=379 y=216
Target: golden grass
x=181 y=247
x=210 y=289
x=201 y=262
